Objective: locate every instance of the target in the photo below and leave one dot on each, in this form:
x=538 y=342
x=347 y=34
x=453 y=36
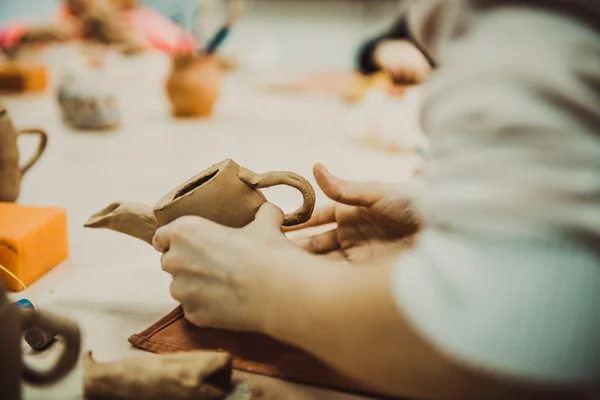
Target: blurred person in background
x=397 y=53
x=147 y=28
x=499 y=296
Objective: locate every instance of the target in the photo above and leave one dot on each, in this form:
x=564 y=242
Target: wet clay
x=15 y=321
x=224 y=193
x=10 y=170
x=179 y=376
x=193 y=84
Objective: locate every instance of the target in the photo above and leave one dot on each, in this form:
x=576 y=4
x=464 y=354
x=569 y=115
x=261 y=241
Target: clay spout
x=132 y=219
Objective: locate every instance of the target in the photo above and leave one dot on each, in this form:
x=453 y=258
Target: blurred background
x=287 y=33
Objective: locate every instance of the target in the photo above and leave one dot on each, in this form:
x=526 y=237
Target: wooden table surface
x=112 y=285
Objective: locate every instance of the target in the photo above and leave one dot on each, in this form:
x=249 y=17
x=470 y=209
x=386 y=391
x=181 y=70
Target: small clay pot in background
x=193 y=84
x=10 y=170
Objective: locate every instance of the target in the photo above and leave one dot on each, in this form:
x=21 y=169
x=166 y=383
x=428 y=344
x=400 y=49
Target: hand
x=403 y=61
x=226 y=277
x=374 y=220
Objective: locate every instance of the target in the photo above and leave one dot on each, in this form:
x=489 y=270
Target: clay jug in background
x=10 y=170
x=13 y=322
x=193 y=84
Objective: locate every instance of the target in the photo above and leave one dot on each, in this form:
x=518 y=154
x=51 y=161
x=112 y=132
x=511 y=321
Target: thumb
x=268 y=216
x=362 y=194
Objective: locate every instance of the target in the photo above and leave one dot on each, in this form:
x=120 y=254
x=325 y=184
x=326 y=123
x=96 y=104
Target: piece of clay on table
x=198 y=375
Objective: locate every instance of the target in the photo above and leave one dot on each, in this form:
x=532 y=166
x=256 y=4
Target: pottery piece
x=87 y=103
x=10 y=170
x=17 y=77
x=224 y=193
x=15 y=321
x=197 y=375
x=193 y=84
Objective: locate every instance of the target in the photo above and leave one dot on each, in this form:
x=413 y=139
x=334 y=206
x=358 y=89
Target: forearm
x=347 y=317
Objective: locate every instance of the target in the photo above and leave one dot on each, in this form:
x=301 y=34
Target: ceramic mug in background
x=13 y=323
x=11 y=172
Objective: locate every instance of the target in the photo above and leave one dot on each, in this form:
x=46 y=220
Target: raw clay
x=196 y=375
x=10 y=170
x=15 y=321
x=224 y=193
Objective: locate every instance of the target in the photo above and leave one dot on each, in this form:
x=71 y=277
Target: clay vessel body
x=86 y=101
x=13 y=322
x=193 y=85
x=10 y=170
x=224 y=193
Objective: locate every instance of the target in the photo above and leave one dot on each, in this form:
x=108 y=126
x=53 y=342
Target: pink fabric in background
x=156 y=31
x=12 y=33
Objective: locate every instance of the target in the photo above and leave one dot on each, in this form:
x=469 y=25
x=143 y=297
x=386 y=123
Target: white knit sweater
x=506 y=274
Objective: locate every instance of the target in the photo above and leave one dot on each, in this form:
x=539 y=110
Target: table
x=112 y=285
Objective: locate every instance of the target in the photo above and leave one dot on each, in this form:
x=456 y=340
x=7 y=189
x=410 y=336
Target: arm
x=505 y=278
x=351 y=320
x=499 y=298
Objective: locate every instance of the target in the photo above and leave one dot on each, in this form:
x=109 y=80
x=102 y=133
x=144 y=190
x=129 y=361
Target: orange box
x=33 y=240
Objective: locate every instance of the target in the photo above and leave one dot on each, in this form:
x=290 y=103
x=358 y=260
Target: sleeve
x=506 y=274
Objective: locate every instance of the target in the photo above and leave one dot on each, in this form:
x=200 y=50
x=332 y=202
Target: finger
x=180 y=290
x=363 y=194
x=171 y=263
x=162 y=240
x=268 y=216
x=319 y=244
x=321 y=216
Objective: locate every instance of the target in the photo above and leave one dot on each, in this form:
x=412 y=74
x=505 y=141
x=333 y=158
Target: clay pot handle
x=63 y=327
x=41 y=147
x=275 y=178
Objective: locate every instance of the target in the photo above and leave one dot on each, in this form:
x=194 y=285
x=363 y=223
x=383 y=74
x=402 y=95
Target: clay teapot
x=10 y=171
x=13 y=322
x=193 y=84
x=224 y=193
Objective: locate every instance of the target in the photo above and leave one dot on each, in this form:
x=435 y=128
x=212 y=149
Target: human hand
x=403 y=60
x=226 y=277
x=374 y=220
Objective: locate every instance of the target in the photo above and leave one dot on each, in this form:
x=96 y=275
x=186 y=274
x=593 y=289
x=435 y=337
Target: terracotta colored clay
x=193 y=84
x=195 y=375
x=13 y=322
x=224 y=193
x=18 y=76
x=10 y=171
